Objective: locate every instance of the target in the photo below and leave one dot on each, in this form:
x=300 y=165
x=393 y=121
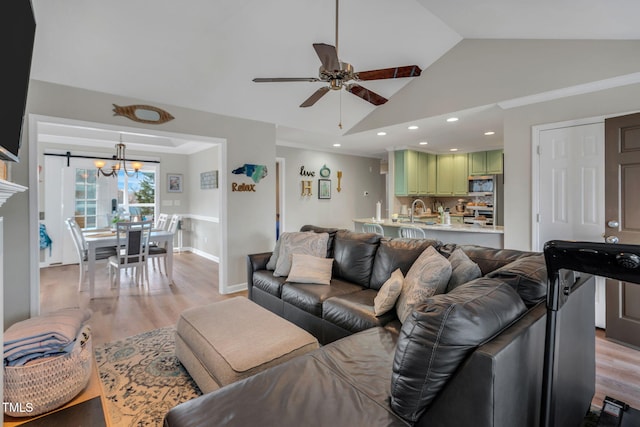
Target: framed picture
x=209 y=180
x=324 y=189
x=174 y=183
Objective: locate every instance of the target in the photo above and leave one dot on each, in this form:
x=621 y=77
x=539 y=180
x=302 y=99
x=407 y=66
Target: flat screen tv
x=17 y=30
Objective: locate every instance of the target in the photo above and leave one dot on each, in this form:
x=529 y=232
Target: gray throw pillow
x=463 y=270
x=271 y=265
x=388 y=294
x=428 y=276
x=299 y=242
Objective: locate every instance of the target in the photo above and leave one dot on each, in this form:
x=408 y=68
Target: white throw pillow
x=428 y=276
x=388 y=294
x=299 y=242
x=310 y=269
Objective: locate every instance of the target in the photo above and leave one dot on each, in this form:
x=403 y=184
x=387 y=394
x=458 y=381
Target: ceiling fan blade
x=315 y=96
x=390 y=73
x=285 y=79
x=328 y=56
x=366 y=94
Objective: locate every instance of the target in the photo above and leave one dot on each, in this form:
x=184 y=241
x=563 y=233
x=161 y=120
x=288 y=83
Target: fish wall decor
x=143 y=113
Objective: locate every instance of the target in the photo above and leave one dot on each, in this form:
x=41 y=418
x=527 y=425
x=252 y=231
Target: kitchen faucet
x=413 y=207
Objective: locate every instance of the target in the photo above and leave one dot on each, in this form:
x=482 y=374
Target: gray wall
x=202 y=228
x=359 y=174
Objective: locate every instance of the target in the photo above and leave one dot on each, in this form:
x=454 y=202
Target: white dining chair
x=162 y=221
x=81 y=249
x=161 y=224
x=412 y=232
x=372 y=227
x=133 y=246
x=160 y=251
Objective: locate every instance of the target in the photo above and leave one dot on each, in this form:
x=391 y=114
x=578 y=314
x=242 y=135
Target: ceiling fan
x=339 y=74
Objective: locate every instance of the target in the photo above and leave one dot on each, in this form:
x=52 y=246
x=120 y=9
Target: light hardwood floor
x=132 y=310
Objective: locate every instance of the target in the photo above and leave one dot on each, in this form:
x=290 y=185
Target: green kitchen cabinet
x=414 y=173
x=485 y=162
x=401 y=184
x=460 y=175
x=426 y=173
x=478 y=163
x=494 y=162
x=444 y=182
x=452 y=175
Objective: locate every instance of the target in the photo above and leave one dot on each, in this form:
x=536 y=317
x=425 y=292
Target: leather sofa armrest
x=259 y=261
x=500 y=384
x=255 y=262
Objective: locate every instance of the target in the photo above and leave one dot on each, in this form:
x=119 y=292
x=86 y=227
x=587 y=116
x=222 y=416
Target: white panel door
x=60 y=238
x=571 y=190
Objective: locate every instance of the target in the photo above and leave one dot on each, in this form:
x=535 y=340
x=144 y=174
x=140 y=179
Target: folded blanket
x=39 y=357
x=48 y=333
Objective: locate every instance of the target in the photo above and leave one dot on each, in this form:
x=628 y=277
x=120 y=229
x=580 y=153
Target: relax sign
x=243 y=187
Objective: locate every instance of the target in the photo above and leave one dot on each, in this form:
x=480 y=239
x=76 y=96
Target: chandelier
x=120 y=163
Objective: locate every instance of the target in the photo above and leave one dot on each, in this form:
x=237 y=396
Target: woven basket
x=45 y=385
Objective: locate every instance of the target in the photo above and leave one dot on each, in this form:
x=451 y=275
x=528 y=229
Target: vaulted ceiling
x=477 y=58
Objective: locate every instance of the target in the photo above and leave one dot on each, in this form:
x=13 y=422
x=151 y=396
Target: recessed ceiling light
x=452 y=119
x=412 y=127
x=453 y=149
x=490 y=133
x=337 y=144
x=382 y=133
x=423 y=142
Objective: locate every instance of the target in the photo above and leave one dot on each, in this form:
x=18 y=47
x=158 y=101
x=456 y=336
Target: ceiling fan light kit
x=338 y=74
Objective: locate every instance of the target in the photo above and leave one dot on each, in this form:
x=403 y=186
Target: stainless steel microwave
x=481 y=184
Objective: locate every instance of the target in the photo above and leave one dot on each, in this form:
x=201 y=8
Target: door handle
x=613 y=224
x=611 y=239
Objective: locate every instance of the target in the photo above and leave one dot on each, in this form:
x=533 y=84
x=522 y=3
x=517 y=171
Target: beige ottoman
x=233 y=339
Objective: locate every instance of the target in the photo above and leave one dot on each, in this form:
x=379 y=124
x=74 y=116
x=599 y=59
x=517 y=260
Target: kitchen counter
x=487 y=235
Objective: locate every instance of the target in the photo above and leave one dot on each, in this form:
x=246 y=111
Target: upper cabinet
x=414 y=173
x=401 y=172
x=494 y=162
x=452 y=174
x=424 y=174
x=427 y=173
x=485 y=162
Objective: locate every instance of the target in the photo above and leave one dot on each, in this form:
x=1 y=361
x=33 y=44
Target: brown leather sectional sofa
x=472 y=356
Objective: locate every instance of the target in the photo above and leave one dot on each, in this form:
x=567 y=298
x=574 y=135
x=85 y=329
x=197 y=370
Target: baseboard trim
x=202 y=254
x=236 y=288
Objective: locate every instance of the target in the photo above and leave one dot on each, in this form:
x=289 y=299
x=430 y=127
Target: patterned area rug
x=142 y=378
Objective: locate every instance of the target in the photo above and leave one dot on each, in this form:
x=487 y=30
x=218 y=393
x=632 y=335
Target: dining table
x=107 y=238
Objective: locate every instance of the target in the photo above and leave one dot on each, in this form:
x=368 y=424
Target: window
x=86 y=200
x=137 y=194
